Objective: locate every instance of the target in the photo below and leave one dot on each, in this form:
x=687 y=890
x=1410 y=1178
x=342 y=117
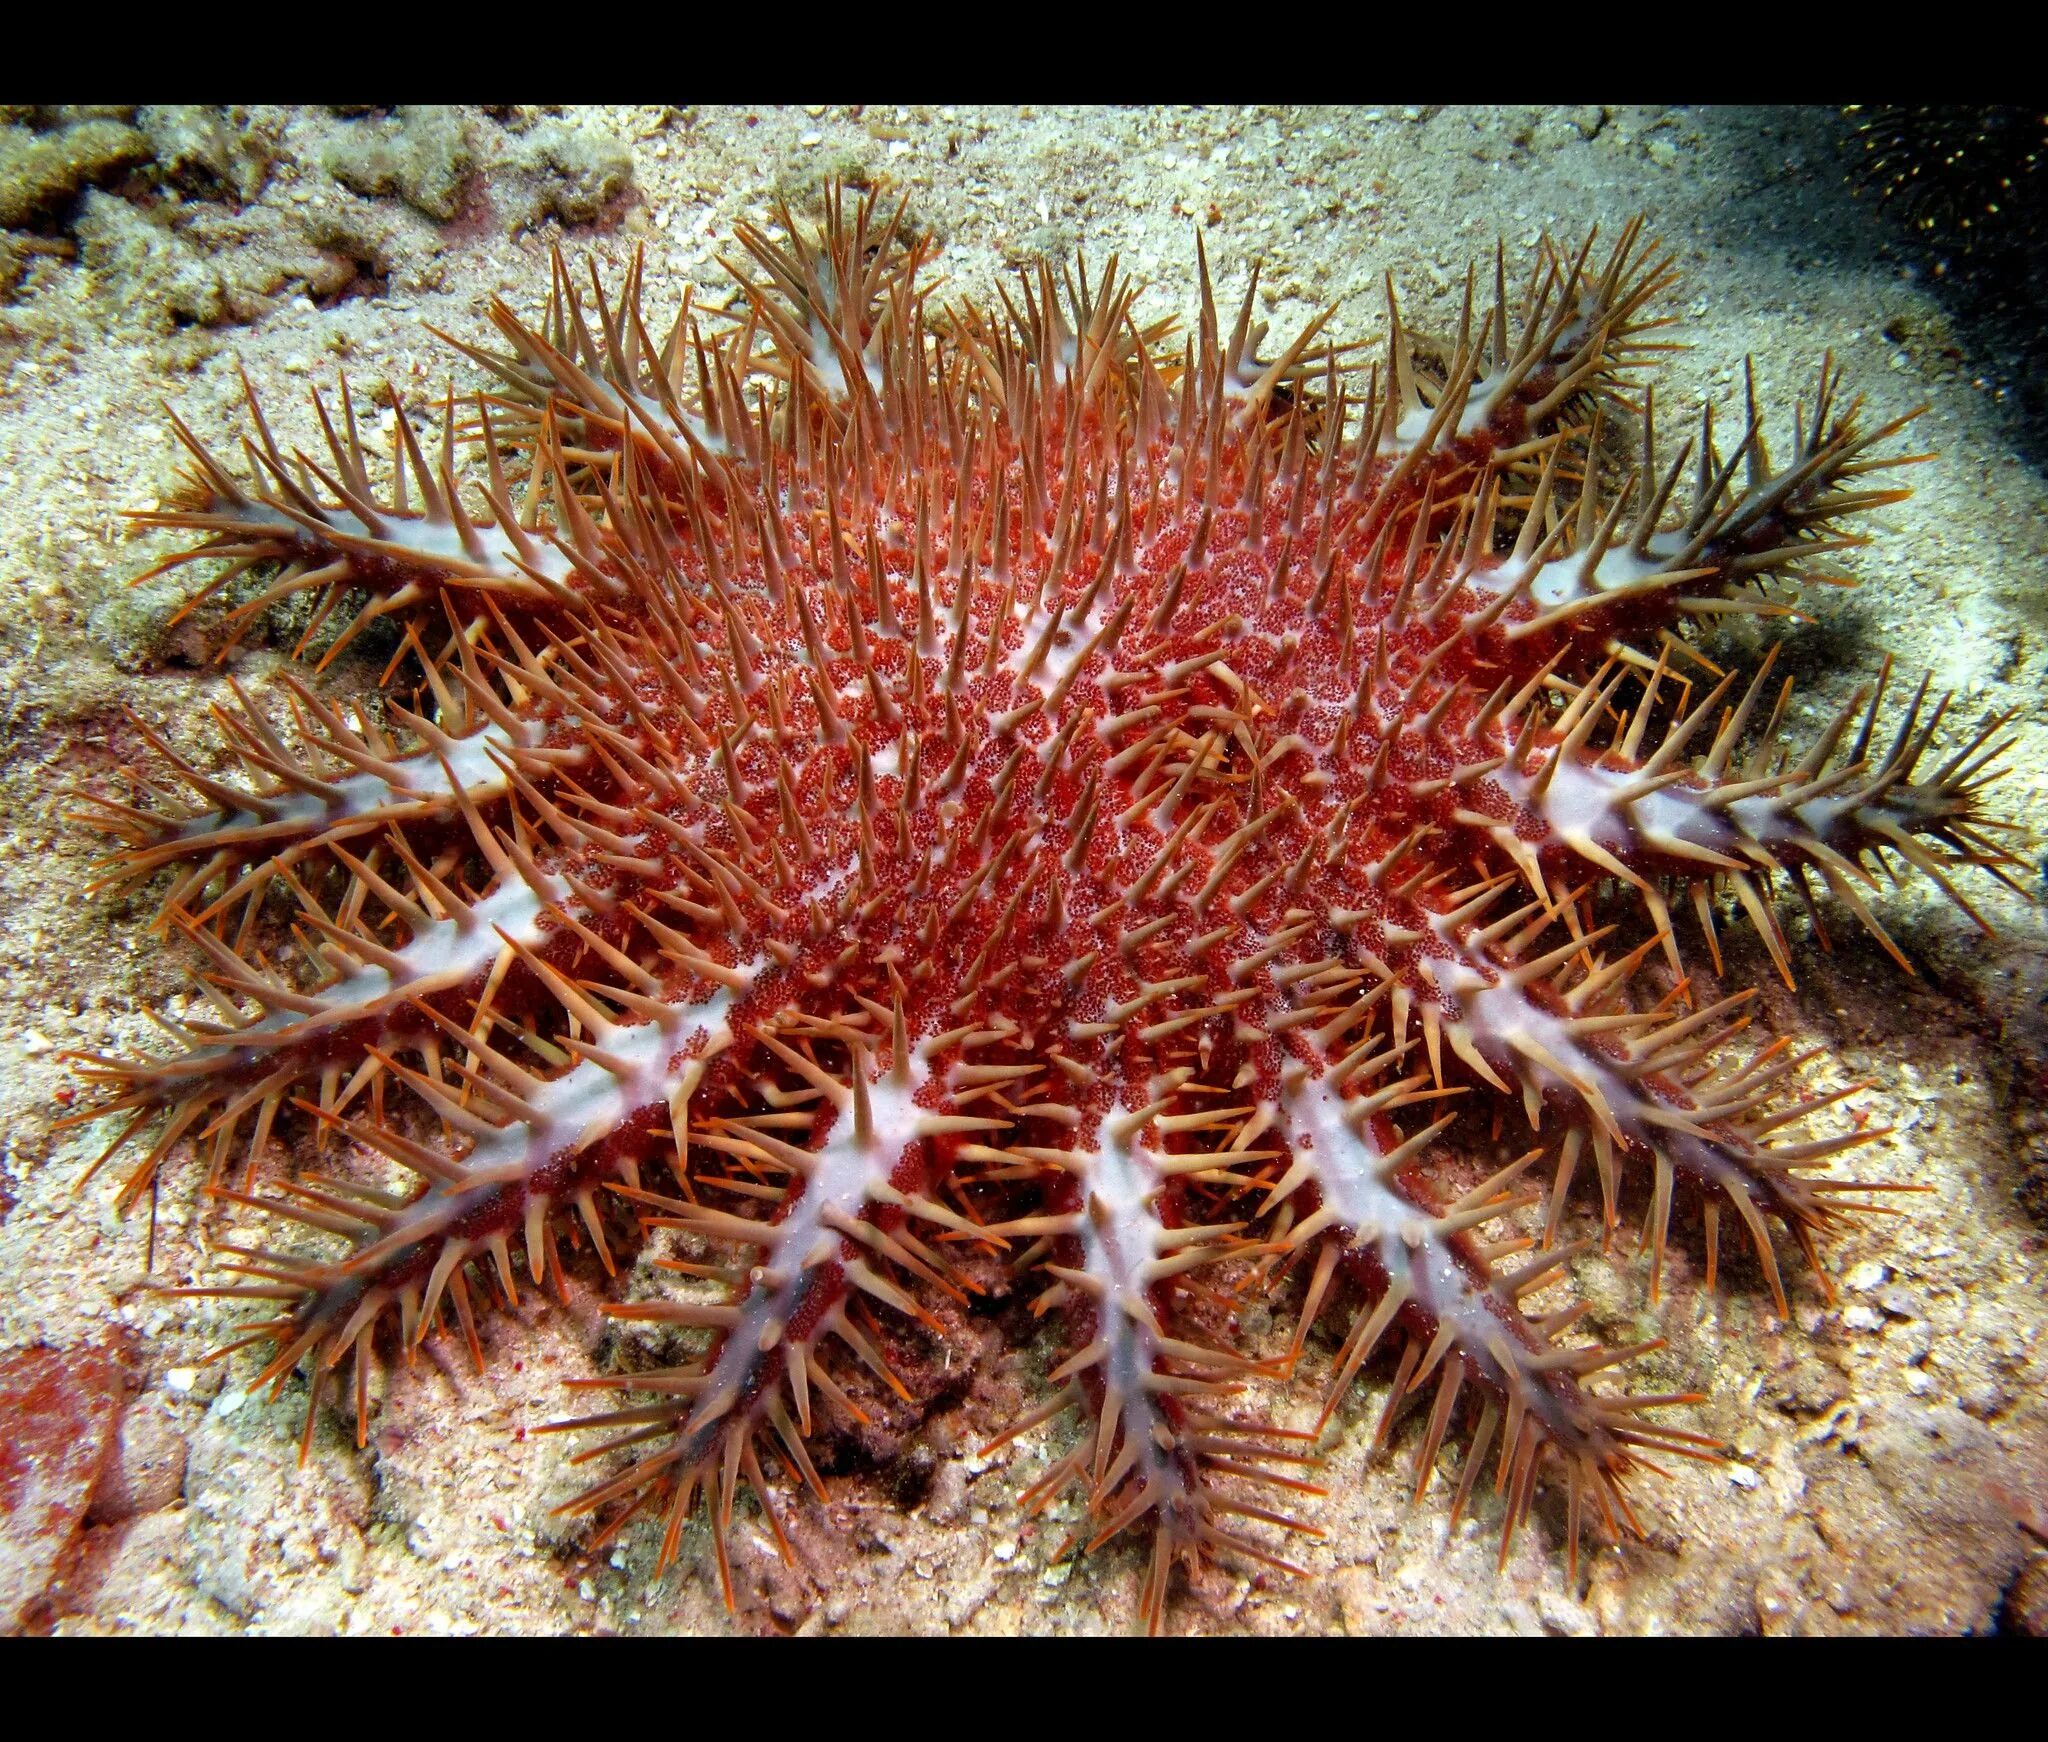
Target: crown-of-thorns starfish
x=910 y=802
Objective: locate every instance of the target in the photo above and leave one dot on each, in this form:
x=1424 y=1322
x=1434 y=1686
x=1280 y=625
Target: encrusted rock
x=201 y=149
x=145 y=266
x=40 y=171
x=564 y=172
x=145 y=1471
x=424 y=156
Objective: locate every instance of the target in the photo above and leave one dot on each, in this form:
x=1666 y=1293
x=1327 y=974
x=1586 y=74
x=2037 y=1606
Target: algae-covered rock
x=205 y=151
x=423 y=155
x=373 y=236
x=561 y=171
x=260 y=257
x=41 y=171
x=145 y=267
x=20 y=254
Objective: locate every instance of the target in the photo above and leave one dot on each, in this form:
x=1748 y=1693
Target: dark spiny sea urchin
x=878 y=806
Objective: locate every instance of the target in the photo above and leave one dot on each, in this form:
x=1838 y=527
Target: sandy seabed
x=1883 y=1443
